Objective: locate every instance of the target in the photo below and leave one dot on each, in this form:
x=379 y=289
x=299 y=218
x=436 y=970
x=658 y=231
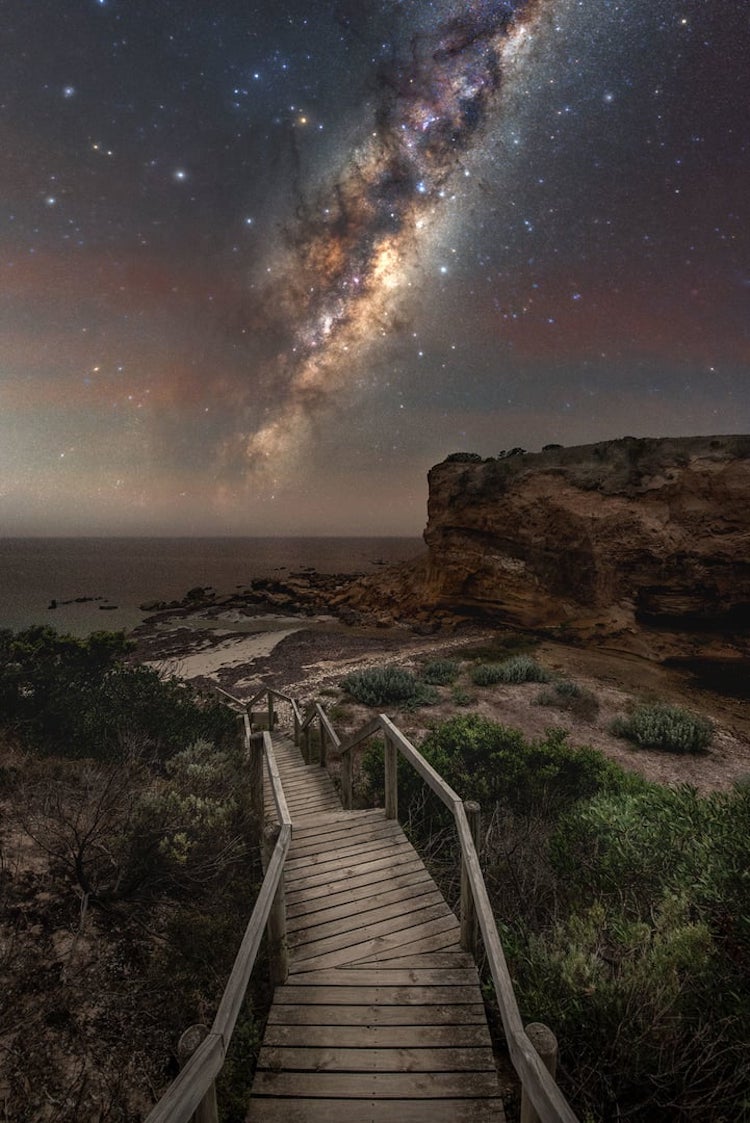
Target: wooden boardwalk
x=381 y=1017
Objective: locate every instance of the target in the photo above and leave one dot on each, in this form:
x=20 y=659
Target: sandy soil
x=310 y=659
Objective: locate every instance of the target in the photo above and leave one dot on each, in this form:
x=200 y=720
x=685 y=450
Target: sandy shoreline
x=308 y=655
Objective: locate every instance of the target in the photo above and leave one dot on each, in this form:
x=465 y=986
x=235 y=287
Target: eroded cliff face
x=608 y=539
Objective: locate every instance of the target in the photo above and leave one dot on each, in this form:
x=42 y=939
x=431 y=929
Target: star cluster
x=261 y=261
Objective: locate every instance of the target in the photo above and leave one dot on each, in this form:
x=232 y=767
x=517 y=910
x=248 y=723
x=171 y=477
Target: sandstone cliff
x=612 y=539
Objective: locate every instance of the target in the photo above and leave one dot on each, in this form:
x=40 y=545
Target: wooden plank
x=436 y=942
x=375 y=1111
x=296 y=994
x=389 y=977
x=333 y=1012
x=351 y=947
x=401 y=1059
x=354 y=869
x=428 y=959
x=376 y=879
x=376 y=1085
x=365 y=903
x=343 y=933
x=333 y=859
x=384 y=888
x=341 y=817
x=340 y=836
x=379 y=1037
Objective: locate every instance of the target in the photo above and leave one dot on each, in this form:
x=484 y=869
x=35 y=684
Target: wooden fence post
x=468 y=909
x=255 y=748
x=323 y=745
x=296 y=726
x=306 y=747
x=270 y=712
x=545 y=1043
x=346 y=780
x=278 y=949
x=207 y=1110
x=391 y=779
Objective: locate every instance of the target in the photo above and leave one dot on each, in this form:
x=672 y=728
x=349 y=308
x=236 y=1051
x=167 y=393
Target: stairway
x=381 y=1017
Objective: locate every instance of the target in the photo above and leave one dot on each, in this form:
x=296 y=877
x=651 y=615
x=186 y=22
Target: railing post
x=391 y=779
x=346 y=780
x=323 y=745
x=278 y=950
x=306 y=744
x=545 y=1043
x=270 y=712
x=296 y=726
x=255 y=749
x=468 y=908
x=207 y=1110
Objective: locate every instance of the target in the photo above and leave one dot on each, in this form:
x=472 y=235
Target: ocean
x=126 y=572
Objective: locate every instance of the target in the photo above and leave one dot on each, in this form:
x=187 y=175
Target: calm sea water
x=128 y=571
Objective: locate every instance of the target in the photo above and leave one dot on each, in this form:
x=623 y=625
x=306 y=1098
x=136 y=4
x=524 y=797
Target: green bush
x=461 y=697
x=519 y=668
x=78 y=698
x=384 y=686
x=569 y=696
x=440 y=672
x=670 y=728
x=495 y=764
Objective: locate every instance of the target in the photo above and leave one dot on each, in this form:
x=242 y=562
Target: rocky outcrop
x=608 y=539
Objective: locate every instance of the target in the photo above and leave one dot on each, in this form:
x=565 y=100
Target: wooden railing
x=193 y=1090
x=534 y=1062
x=204 y=1050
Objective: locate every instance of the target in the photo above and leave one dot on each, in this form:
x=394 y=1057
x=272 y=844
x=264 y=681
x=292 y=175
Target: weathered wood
x=375 y=874
x=270 y=712
x=391 y=779
x=356 y=909
x=363 y=1014
x=254 y=749
x=377 y=1085
x=347 y=797
x=207 y=1110
x=234 y=992
x=545 y=1043
x=278 y=948
x=186 y=1092
x=468 y=912
x=432 y=778
x=550 y=1104
x=390 y=976
x=294 y=994
x=390 y=1059
x=378 y=1036
x=274 y=779
x=396 y=925
x=375 y=1111
x=323 y=754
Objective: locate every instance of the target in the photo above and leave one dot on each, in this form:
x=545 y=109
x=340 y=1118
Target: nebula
x=351 y=252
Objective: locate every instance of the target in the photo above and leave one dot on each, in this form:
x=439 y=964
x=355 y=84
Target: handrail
x=195 y=1082
x=538 y=1084
x=540 y=1087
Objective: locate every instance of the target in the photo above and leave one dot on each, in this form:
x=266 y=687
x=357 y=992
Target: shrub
x=440 y=672
x=463 y=458
x=519 y=668
x=383 y=686
x=567 y=695
x=461 y=697
x=665 y=727
x=78 y=698
x=494 y=764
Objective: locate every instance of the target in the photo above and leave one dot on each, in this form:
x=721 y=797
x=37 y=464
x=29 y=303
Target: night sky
x=263 y=264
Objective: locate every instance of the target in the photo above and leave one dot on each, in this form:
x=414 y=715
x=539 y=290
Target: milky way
x=352 y=250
